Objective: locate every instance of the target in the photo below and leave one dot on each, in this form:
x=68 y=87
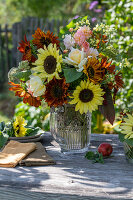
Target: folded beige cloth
x=14 y=152
x=37 y=158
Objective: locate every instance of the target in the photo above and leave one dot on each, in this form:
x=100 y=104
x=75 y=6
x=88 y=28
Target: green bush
x=35 y=117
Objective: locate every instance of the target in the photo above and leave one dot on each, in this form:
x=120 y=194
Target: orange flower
x=105 y=64
x=41 y=39
x=56 y=92
x=27 y=98
x=26 y=49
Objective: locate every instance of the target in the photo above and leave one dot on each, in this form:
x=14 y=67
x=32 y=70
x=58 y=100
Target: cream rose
x=35 y=86
x=76 y=58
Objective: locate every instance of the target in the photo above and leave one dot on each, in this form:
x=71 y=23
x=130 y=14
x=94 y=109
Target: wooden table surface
x=73 y=177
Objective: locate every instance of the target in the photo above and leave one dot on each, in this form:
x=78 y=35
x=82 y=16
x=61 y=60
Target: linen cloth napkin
x=14 y=152
x=37 y=158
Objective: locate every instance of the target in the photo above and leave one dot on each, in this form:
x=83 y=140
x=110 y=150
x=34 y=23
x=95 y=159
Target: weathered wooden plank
x=74 y=177
x=41 y=24
x=19 y=38
x=58 y=26
x=7 y=52
x=15 y=45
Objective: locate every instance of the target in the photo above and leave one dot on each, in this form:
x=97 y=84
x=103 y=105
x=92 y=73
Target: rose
x=35 y=86
x=76 y=58
x=68 y=41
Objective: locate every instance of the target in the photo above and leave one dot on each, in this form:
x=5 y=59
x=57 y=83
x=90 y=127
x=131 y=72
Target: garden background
x=118 y=13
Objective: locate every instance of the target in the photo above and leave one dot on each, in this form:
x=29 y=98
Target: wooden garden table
x=73 y=177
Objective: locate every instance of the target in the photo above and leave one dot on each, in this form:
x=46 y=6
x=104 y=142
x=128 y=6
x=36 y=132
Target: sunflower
x=41 y=39
x=48 y=63
x=27 y=98
x=56 y=92
x=26 y=49
x=127 y=127
x=87 y=97
x=92 y=70
x=18 y=126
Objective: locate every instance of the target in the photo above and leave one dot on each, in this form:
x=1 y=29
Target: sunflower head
x=92 y=70
x=87 y=97
x=56 y=92
x=48 y=63
x=41 y=39
x=18 y=126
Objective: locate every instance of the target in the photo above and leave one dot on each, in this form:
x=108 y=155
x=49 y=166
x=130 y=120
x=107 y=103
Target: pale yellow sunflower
x=48 y=63
x=127 y=127
x=18 y=126
x=87 y=97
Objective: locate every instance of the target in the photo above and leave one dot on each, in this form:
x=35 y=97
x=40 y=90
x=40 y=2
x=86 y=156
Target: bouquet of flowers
x=80 y=68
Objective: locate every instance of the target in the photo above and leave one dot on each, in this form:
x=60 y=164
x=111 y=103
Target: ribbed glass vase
x=128 y=152
x=70 y=129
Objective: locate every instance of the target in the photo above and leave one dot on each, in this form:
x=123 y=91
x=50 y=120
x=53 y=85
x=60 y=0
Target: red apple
x=105 y=148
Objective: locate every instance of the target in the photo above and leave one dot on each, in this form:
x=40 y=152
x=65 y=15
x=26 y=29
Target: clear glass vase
x=70 y=129
x=128 y=152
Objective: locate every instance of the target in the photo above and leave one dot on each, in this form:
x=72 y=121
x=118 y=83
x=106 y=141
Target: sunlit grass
x=3 y=118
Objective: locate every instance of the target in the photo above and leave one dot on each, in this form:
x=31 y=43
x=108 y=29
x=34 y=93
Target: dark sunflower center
x=50 y=64
x=90 y=72
x=57 y=91
x=45 y=41
x=86 y=95
x=26 y=48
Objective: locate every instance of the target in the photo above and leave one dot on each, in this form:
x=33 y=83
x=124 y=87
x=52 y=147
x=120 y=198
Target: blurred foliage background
x=115 y=12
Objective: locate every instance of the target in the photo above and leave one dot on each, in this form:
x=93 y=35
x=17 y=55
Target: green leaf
x=90 y=155
x=3 y=139
x=95 y=157
x=24 y=75
x=2 y=126
x=107 y=109
x=71 y=74
x=33 y=131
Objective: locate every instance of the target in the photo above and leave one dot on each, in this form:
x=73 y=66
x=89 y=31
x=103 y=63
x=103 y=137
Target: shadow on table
x=30 y=178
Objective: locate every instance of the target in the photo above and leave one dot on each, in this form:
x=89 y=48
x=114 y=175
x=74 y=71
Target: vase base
x=74 y=151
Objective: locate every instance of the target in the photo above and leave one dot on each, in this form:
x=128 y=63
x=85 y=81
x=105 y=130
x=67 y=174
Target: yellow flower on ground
x=18 y=126
x=87 y=97
x=127 y=127
x=48 y=63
